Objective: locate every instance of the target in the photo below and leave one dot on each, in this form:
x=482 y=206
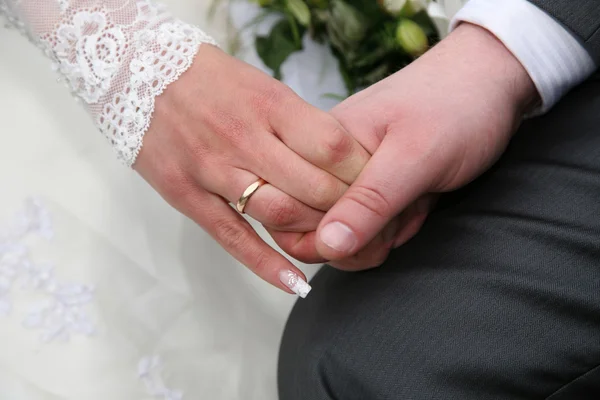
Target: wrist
x=489 y=65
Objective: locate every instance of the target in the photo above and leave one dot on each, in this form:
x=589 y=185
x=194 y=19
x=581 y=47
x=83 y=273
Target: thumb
x=386 y=186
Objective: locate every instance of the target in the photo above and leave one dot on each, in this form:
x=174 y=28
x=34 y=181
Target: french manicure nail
x=338 y=236
x=296 y=284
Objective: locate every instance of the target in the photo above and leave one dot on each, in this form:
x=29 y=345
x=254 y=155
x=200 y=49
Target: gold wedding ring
x=241 y=204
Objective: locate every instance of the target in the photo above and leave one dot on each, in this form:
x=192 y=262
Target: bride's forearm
x=115 y=56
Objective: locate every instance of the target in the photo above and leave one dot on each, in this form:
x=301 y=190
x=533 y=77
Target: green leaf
x=422 y=18
x=319 y=4
x=299 y=10
x=375 y=75
x=368 y=58
x=277 y=46
x=234 y=41
x=295 y=29
x=347 y=77
x=334 y=96
x=370 y=9
x=346 y=24
x=212 y=9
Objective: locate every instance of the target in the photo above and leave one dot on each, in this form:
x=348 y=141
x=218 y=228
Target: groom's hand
x=432 y=127
x=223 y=126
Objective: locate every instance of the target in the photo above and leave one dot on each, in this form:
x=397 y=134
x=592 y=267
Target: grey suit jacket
x=581 y=17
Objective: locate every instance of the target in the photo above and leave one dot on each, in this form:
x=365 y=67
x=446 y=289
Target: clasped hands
x=344 y=187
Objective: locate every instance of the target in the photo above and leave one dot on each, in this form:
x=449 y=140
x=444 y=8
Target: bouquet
x=370 y=39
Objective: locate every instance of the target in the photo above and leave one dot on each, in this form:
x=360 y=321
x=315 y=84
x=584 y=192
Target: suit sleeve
x=581 y=17
x=555 y=57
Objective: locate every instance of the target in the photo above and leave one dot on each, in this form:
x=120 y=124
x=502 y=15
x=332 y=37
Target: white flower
x=418 y=5
x=408 y=7
x=394 y=6
x=451 y=7
x=442 y=12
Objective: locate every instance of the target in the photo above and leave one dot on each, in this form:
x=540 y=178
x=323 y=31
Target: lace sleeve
x=116 y=56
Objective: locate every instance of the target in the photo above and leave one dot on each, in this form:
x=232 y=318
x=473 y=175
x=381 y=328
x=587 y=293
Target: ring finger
x=268 y=205
x=236 y=236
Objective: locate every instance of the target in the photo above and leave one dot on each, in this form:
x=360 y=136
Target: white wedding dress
x=106 y=292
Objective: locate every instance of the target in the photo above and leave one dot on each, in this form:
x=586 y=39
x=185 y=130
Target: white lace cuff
x=116 y=56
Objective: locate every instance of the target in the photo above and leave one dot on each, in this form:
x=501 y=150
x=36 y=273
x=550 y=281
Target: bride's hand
x=221 y=127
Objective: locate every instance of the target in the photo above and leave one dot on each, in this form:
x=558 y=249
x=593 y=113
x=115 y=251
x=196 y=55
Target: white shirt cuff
x=554 y=59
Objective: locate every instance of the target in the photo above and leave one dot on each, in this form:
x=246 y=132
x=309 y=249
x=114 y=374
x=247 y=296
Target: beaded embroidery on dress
x=61 y=312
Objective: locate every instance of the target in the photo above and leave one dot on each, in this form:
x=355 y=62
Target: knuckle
x=232 y=234
x=230 y=127
x=282 y=212
x=325 y=192
x=262 y=263
x=370 y=199
x=268 y=99
x=195 y=145
x=222 y=121
x=335 y=146
x=174 y=183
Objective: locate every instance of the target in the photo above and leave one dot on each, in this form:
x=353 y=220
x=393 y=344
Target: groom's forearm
x=554 y=56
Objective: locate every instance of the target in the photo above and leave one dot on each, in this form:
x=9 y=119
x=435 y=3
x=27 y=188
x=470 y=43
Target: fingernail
x=338 y=236
x=296 y=284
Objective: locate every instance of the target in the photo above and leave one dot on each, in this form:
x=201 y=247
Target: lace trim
x=61 y=313
x=115 y=56
x=126 y=119
x=9 y=10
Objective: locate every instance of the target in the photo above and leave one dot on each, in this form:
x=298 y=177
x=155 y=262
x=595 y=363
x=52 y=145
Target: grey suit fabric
x=498 y=296
x=581 y=17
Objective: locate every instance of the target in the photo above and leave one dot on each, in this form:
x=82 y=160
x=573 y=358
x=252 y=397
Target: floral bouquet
x=370 y=39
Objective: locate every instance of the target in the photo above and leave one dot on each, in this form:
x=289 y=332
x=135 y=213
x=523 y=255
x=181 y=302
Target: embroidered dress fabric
x=116 y=56
x=106 y=292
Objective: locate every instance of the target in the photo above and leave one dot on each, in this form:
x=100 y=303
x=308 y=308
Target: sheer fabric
x=116 y=56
